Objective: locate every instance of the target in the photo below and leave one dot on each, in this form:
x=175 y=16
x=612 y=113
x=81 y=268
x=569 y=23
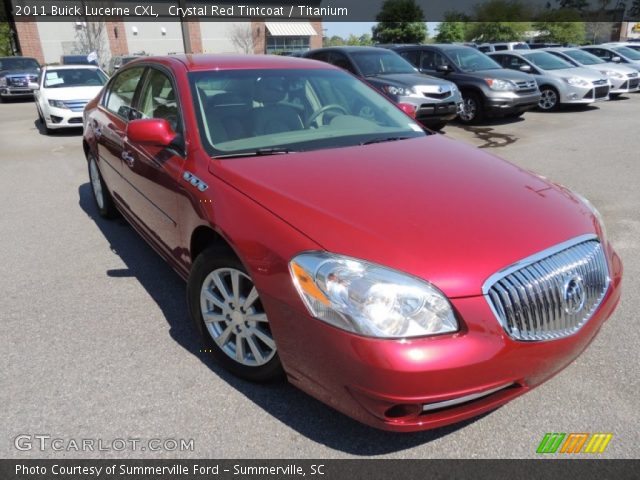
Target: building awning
x=290 y=29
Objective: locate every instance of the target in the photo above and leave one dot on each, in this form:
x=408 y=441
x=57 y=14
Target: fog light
x=403 y=411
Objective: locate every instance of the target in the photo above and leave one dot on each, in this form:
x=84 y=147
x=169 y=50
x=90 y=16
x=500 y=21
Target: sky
x=344 y=29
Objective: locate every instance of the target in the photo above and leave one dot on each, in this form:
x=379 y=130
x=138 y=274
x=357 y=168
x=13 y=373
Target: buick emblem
x=573 y=294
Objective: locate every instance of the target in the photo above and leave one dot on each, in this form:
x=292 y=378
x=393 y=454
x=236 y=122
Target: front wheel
x=228 y=312
x=472 y=108
x=549 y=99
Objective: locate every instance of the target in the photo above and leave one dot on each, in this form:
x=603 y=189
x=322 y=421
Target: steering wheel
x=320 y=111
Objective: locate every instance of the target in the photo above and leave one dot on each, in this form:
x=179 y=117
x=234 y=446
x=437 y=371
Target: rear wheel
x=472 y=108
x=549 y=99
x=228 y=312
x=101 y=195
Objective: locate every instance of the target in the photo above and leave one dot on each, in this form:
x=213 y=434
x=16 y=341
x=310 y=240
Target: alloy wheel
x=96 y=183
x=469 y=109
x=548 y=99
x=235 y=318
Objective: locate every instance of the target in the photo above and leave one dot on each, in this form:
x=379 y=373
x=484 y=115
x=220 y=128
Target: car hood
x=429 y=206
x=582 y=72
x=72 y=93
x=409 y=79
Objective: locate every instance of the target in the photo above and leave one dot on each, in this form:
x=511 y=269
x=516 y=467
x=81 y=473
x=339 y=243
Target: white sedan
x=63 y=92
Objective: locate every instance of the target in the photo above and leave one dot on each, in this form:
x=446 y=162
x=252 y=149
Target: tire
x=101 y=194
x=473 y=109
x=236 y=331
x=549 y=99
x=436 y=127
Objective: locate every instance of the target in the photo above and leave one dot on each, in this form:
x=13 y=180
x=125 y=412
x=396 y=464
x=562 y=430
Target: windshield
x=19 y=63
x=546 y=61
x=74 y=77
x=585 y=58
x=470 y=60
x=627 y=52
x=381 y=63
x=276 y=111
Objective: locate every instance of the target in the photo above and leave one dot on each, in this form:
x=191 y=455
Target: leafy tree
x=333 y=41
x=573 y=4
x=400 y=21
x=451 y=32
x=561 y=32
x=365 y=39
x=484 y=29
x=5 y=40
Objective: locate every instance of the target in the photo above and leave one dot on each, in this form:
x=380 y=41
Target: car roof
x=200 y=62
x=351 y=49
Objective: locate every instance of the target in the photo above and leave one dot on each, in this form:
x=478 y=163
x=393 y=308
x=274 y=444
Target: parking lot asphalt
x=96 y=342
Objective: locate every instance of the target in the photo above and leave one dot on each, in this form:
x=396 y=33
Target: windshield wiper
x=383 y=139
x=257 y=152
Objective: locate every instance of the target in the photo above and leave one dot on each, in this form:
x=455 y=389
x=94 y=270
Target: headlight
x=500 y=85
x=398 y=91
x=611 y=73
x=3 y=82
x=57 y=103
x=576 y=82
x=595 y=212
x=369 y=299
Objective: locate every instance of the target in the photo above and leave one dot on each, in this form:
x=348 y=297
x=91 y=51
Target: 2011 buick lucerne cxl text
x=405 y=279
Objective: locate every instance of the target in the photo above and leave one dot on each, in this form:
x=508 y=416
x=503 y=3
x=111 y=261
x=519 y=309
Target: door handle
x=128 y=158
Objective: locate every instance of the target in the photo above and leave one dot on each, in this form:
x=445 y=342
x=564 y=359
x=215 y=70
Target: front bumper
x=583 y=95
x=56 y=118
x=418 y=384
x=430 y=111
x=619 y=85
x=504 y=103
x=16 y=92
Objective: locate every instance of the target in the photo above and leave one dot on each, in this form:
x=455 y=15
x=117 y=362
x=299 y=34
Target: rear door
x=152 y=172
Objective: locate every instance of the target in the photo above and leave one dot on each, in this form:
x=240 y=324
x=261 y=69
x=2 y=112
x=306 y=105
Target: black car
x=488 y=90
x=432 y=101
x=77 y=60
x=18 y=76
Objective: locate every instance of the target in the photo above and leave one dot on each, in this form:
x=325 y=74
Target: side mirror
x=616 y=59
x=443 y=68
x=151 y=131
x=34 y=86
x=526 y=68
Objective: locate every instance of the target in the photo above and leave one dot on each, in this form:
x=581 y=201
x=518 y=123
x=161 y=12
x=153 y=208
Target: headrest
x=269 y=90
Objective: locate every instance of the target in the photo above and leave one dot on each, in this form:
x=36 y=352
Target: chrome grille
x=76 y=105
x=552 y=294
x=526 y=85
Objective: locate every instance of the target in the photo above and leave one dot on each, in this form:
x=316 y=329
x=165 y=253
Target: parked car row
x=509 y=80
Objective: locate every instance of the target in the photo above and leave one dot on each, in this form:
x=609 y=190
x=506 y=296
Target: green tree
x=561 y=32
x=5 y=40
x=400 y=21
x=573 y=4
x=451 y=32
x=484 y=29
x=365 y=39
x=333 y=41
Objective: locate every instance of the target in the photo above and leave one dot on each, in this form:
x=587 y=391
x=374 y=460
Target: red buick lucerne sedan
x=405 y=279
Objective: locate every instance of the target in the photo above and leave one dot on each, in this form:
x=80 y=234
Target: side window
x=431 y=60
x=411 y=56
x=340 y=60
x=497 y=48
x=158 y=99
x=120 y=94
x=321 y=56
